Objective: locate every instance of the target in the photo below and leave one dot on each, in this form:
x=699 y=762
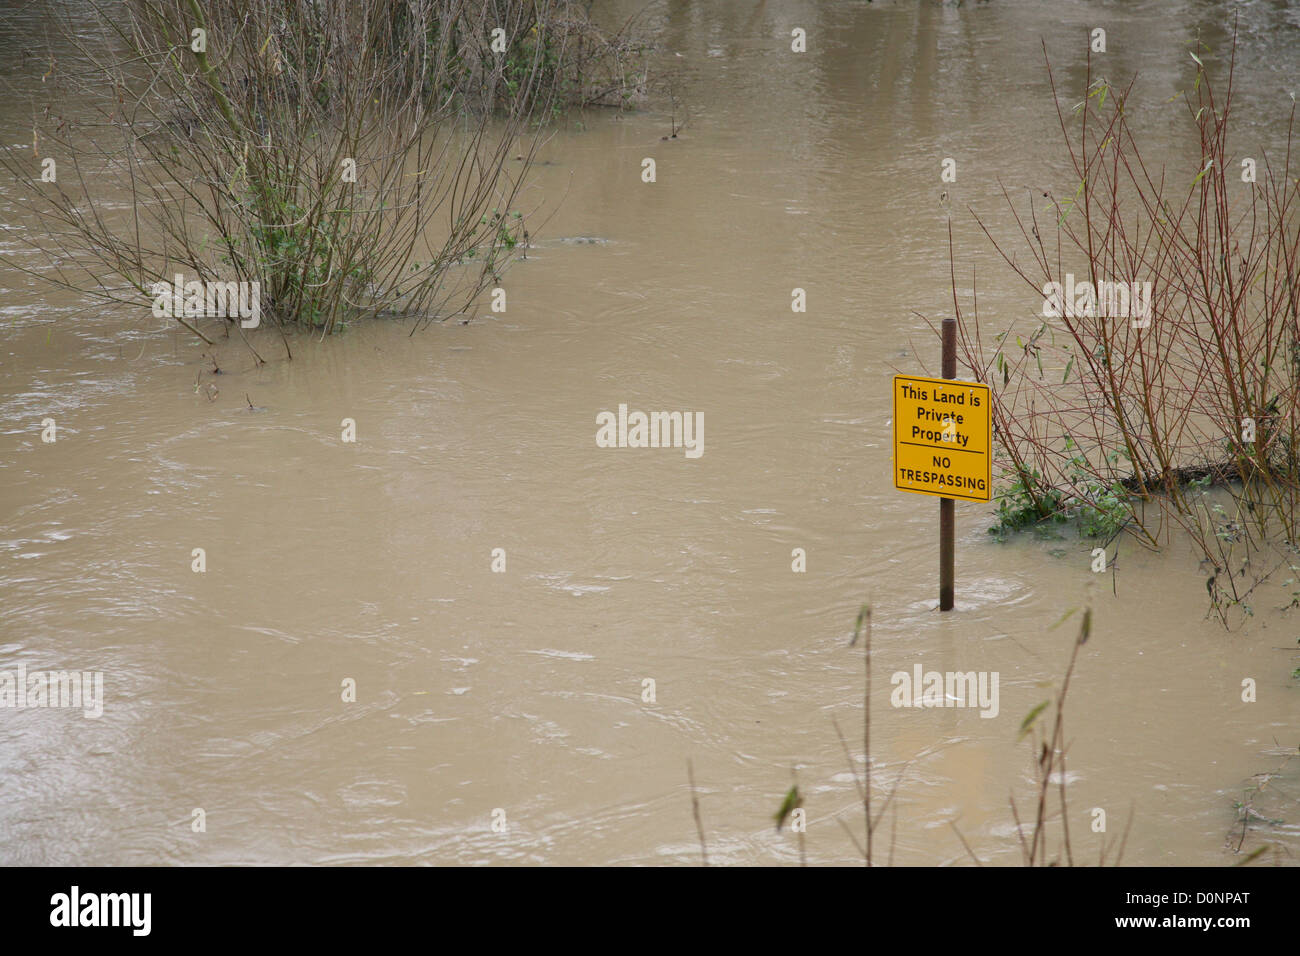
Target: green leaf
x=1028 y=722
x=1064 y=617
x=864 y=617
x=787 y=807
x=1254 y=853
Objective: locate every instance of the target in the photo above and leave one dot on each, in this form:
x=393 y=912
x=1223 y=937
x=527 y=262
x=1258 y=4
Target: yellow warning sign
x=943 y=436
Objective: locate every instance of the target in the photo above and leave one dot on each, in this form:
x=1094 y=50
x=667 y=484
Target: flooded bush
x=550 y=56
x=345 y=158
x=1164 y=362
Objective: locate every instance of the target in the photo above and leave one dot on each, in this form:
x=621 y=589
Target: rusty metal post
x=947 y=516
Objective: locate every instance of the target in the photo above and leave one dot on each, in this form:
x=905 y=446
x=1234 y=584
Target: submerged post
x=943 y=444
x=947 y=522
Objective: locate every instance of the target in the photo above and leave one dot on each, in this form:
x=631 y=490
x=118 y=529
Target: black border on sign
x=894 y=443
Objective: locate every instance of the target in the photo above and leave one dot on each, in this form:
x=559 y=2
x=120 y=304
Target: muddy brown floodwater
x=523 y=690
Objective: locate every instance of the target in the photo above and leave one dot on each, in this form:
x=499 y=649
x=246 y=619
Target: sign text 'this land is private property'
x=942 y=438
